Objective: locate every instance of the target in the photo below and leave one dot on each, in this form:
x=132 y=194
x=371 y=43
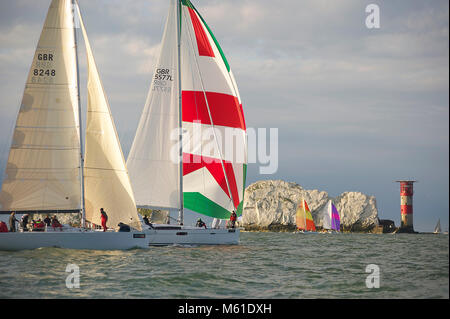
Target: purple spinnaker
x=335 y=219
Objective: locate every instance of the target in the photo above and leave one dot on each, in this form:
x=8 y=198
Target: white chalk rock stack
x=273 y=202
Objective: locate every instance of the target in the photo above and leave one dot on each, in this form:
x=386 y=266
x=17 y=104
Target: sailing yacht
x=49 y=171
x=193 y=93
x=331 y=221
x=304 y=220
x=437 y=229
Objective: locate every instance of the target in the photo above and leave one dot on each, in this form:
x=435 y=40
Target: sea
x=265 y=265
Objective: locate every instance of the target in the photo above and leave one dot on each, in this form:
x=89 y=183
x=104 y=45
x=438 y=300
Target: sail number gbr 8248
x=43 y=66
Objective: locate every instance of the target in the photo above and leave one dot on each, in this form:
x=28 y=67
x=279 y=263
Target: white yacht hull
x=110 y=240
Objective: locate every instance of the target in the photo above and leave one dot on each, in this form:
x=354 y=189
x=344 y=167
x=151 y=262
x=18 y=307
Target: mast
x=83 y=211
x=180 y=115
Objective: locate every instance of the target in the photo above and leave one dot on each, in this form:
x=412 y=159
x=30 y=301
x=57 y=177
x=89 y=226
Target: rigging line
x=180 y=111
x=209 y=113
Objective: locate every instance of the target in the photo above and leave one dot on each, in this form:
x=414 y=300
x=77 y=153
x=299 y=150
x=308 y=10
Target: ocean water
x=263 y=265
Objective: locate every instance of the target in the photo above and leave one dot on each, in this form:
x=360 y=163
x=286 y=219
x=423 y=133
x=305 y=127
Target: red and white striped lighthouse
x=406 y=205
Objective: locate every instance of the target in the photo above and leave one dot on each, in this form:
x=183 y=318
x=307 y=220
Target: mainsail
x=154 y=174
x=304 y=218
x=213 y=176
x=43 y=168
x=107 y=184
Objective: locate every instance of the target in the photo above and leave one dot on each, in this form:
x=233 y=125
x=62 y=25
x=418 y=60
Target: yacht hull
x=109 y=240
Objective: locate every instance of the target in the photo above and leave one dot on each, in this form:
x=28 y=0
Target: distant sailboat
x=304 y=220
x=437 y=229
x=330 y=218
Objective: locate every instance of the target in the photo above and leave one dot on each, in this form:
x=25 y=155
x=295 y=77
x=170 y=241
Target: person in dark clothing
x=12 y=222
x=104 y=219
x=147 y=222
x=233 y=218
x=200 y=223
x=56 y=223
x=47 y=221
x=24 y=222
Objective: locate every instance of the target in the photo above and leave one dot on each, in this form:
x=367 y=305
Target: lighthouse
x=406 y=206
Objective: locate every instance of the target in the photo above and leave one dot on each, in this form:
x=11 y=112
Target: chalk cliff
x=271 y=205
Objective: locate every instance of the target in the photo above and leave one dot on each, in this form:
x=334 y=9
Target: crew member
x=233 y=218
x=12 y=222
x=200 y=223
x=104 y=219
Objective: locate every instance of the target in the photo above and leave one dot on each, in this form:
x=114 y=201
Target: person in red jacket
x=104 y=219
x=3 y=227
x=233 y=218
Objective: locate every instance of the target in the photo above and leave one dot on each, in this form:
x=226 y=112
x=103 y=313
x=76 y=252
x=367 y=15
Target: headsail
x=213 y=177
x=107 y=184
x=43 y=168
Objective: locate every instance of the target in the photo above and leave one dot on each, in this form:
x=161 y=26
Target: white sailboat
x=48 y=171
x=330 y=218
x=194 y=89
x=437 y=229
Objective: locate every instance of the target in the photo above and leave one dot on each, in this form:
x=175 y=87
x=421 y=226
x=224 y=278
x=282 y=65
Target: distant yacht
x=437 y=229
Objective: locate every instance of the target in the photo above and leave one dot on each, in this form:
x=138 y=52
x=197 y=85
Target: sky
x=356 y=108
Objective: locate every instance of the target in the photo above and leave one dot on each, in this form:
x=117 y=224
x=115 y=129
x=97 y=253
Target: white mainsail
x=43 y=168
x=107 y=184
x=325 y=215
x=153 y=171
